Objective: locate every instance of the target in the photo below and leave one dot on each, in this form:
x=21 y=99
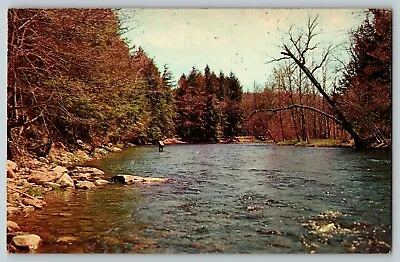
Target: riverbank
x=318 y=143
x=252 y=139
x=308 y=143
x=29 y=180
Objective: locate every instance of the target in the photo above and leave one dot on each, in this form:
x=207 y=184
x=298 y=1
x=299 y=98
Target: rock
x=11 y=174
x=329 y=228
x=39 y=177
x=44 y=160
x=128 y=179
x=13 y=210
x=115 y=149
x=11 y=248
x=90 y=170
x=13 y=197
x=99 y=152
x=66 y=239
x=52 y=184
x=28 y=209
x=59 y=171
x=29 y=241
x=155 y=180
x=11 y=167
x=66 y=181
x=25 y=183
x=85 y=185
x=80 y=142
x=37 y=203
x=96 y=171
x=100 y=182
x=12 y=226
x=81 y=155
x=80 y=176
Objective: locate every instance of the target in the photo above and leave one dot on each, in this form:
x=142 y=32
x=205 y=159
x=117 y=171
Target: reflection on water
x=235 y=198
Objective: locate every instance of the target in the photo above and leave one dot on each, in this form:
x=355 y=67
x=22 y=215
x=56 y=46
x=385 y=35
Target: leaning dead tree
x=296 y=50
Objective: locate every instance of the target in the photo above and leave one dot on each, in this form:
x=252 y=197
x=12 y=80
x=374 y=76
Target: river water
x=227 y=198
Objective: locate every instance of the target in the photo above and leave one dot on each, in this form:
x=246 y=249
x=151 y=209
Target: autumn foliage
x=71 y=77
x=366 y=88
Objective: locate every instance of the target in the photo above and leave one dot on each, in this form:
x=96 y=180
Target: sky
x=239 y=40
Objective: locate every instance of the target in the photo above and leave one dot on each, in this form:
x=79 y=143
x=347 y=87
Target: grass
x=35 y=192
x=317 y=143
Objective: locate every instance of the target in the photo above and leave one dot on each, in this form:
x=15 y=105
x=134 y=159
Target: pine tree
x=366 y=86
x=233 y=108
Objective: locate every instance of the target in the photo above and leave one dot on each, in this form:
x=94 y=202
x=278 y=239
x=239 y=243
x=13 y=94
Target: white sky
x=237 y=40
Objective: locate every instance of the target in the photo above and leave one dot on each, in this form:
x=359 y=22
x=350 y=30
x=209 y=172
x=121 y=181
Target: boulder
x=11 y=167
x=65 y=181
x=128 y=179
x=12 y=226
x=37 y=203
x=39 y=177
x=85 y=185
x=59 y=171
x=29 y=241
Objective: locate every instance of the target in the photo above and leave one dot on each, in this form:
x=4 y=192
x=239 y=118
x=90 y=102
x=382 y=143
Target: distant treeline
x=208 y=106
x=72 y=76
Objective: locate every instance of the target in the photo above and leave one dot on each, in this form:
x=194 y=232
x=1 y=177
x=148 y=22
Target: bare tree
x=297 y=49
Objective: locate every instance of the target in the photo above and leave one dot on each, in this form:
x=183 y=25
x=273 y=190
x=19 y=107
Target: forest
x=73 y=77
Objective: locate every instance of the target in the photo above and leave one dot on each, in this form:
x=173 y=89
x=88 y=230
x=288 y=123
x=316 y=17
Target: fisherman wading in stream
x=160 y=146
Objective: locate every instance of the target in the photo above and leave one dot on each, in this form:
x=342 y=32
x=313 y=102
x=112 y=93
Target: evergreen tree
x=208 y=106
x=367 y=84
x=211 y=114
x=158 y=93
x=233 y=108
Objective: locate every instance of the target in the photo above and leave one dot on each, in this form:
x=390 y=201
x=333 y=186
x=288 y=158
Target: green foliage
x=366 y=89
x=35 y=192
x=208 y=107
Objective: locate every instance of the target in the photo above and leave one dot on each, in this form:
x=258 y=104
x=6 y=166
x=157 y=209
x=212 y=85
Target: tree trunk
x=359 y=142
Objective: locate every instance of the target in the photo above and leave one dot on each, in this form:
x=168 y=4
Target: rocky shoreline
x=31 y=179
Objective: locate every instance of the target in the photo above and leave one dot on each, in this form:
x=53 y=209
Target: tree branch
x=274 y=110
x=324 y=58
